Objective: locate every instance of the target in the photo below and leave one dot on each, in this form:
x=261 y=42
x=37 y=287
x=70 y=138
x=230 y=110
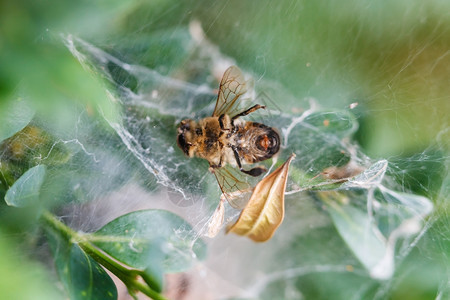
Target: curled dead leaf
x=216 y=220
x=264 y=211
x=349 y=170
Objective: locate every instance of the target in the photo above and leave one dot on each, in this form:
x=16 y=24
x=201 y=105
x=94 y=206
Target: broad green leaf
x=81 y=276
x=25 y=191
x=369 y=233
x=138 y=238
x=339 y=123
x=356 y=229
x=14 y=116
x=264 y=211
x=88 y=279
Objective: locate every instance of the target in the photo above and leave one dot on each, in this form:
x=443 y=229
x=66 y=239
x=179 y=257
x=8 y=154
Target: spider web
x=369 y=222
x=392 y=218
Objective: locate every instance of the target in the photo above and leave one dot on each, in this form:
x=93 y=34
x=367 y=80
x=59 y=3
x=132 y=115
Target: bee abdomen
x=267 y=142
x=270 y=142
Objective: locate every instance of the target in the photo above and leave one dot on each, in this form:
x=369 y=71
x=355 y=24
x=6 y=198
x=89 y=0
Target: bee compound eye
x=181 y=141
x=185 y=125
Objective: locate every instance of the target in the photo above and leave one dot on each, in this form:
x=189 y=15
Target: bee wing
x=232 y=86
x=233 y=185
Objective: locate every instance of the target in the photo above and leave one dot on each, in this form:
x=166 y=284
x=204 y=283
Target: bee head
x=184 y=135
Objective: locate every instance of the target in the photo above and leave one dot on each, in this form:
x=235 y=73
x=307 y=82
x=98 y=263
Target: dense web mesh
x=91 y=95
x=137 y=164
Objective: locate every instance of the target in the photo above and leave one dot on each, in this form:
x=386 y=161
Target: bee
x=225 y=139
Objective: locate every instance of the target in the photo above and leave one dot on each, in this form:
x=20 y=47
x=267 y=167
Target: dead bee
x=224 y=139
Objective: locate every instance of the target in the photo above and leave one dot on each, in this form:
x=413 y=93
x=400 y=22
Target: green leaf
x=81 y=276
x=14 y=116
x=87 y=278
x=25 y=191
x=338 y=123
x=139 y=238
x=357 y=230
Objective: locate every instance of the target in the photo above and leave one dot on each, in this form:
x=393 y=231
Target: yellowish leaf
x=264 y=211
x=216 y=220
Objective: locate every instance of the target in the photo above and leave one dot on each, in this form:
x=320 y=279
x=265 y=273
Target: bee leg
x=255 y=172
x=248 y=111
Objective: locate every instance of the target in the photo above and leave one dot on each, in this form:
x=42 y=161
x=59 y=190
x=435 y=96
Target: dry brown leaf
x=349 y=170
x=265 y=210
x=216 y=220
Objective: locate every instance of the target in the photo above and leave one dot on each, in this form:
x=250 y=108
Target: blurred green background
x=391 y=57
